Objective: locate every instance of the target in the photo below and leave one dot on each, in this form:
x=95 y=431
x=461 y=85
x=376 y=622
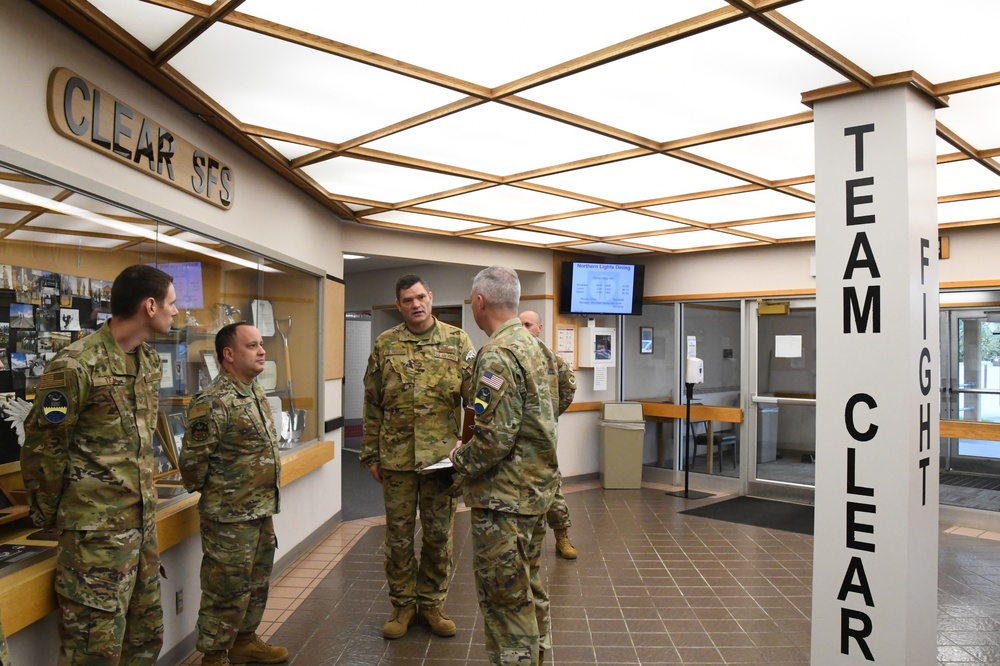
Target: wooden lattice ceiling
x=618 y=129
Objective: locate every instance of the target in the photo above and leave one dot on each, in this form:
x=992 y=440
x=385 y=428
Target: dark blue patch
x=55 y=406
x=483 y=397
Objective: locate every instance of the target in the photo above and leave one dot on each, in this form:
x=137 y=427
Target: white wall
x=449 y=283
x=973 y=255
x=772 y=270
x=456 y=252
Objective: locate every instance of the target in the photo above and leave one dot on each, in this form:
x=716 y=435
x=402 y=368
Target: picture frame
x=176 y=426
x=167 y=370
x=211 y=364
x=163 y=448
x=645 y=339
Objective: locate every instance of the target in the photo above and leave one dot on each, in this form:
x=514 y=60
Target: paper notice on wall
x=566 y=339
x=601 y=378
x=787 y=346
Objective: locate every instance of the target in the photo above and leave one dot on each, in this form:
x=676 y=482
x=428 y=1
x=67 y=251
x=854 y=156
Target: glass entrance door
x=782 y=417
x=970 y=396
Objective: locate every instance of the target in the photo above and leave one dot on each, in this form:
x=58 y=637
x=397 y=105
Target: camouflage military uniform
x=4 y=650
x=230 y=454
x=558 y=514
x=413 y=394
x=88 y=467
x=512 y=476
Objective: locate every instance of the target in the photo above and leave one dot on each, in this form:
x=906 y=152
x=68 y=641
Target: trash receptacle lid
x=621 y=411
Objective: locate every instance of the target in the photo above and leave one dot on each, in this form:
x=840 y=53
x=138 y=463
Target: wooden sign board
x=88 y=115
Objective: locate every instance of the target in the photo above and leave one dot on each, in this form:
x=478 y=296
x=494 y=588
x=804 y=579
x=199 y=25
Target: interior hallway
x=651 y=586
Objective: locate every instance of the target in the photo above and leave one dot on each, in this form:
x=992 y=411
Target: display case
x=59 y=254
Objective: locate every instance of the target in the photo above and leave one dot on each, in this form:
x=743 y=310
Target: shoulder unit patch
x=55 y=406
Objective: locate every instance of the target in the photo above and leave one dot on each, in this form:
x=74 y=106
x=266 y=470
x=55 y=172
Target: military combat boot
x=399 y=621
x=564 y=547
x=216 y=659
x=439 y=621
x=251 y=649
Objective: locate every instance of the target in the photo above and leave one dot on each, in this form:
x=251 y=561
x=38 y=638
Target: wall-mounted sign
x=81 y=111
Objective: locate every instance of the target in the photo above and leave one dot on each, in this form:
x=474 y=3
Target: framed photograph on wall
x=645 y=339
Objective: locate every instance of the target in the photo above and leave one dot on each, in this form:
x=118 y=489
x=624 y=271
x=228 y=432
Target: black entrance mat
x=770 y=514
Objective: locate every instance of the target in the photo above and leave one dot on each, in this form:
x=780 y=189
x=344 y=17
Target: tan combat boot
x=564 y=547
x=439 y=621
x=251 y=649
x=399 y=621
x=216 y=659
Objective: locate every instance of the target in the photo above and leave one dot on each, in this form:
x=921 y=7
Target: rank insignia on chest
x=55 y=406
x=483 y=397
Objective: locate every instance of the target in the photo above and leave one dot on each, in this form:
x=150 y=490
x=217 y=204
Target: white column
x=877 y=416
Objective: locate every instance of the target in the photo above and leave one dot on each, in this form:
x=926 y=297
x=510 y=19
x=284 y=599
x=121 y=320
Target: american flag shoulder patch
x=52 y=380
x=491 y=380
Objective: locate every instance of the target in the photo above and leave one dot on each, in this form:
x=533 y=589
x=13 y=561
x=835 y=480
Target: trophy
x=225 y=314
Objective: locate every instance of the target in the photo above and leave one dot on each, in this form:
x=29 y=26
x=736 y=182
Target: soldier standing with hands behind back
x=230 y=454
x=558 y=514
x=417 y=375
x=88 y=467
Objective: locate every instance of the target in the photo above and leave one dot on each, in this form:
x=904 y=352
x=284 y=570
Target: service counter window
x=649 y=347
x=60 y=250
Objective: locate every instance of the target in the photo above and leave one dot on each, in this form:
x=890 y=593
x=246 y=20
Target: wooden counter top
x=27 y=595
x=665 y=411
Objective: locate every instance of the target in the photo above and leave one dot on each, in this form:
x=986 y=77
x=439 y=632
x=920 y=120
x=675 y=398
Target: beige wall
x=427 y=249
x=766 y=270
x=974 y=256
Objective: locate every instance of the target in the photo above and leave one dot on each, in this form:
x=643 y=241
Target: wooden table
x=665 y=412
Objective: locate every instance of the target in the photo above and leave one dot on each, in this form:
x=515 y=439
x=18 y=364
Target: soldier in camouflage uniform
x=510 y=471
x=558 y=514
x=88 y=467
x=417 y=375
x=230 y=454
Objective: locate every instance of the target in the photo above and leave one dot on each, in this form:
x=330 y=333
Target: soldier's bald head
x=531 y=321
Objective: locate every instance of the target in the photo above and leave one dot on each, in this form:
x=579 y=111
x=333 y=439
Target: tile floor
x=651 y=586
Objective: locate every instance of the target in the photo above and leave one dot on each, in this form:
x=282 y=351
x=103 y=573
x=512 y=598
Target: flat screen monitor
x=601 y=289
x=187 y=284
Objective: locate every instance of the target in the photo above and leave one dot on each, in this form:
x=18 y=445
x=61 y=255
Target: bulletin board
x=565 y=344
